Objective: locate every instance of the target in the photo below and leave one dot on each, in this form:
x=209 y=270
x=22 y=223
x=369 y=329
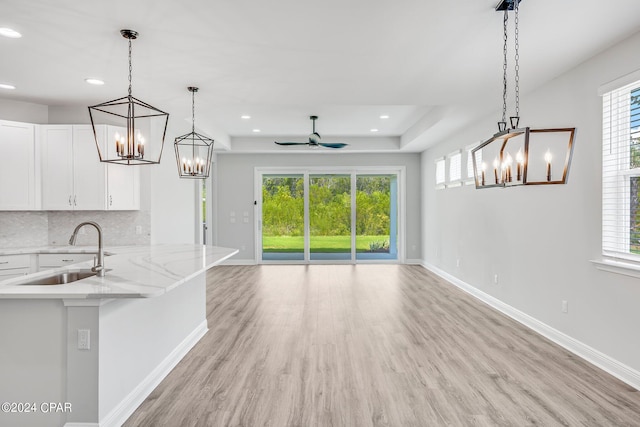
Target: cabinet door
x=18 y=168
x=123 y=182
x=14 y=266
x=88 y=172
x=57 y=167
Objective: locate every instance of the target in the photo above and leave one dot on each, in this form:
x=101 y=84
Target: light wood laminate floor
x=373 y=345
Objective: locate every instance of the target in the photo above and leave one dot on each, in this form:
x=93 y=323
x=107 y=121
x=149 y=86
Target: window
x=470 y=178
x=621 y=172
x=455 y=169
x=440 y=173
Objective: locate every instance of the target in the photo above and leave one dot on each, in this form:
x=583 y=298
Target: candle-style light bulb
x=547 y=158
x=509 y=162
x=117 y=138
x=519 y=164
x=484 y=168
x=495 y=168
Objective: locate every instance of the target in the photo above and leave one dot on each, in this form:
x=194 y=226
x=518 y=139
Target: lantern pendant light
x=533 y=149
x=127 y=130
x=193 y=151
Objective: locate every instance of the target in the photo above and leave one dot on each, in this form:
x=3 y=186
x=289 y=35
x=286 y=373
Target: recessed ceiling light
x=96 y=82
x=245 y=117
x=384 y=116
x=374 y=130
x=8 y=32
x=256 y=130
x=6 y=86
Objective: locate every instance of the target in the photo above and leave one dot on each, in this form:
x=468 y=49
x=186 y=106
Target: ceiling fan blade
x=291 y=143
x=333 y=144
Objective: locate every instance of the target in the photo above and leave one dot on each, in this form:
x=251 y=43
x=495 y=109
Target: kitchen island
x=88 y=353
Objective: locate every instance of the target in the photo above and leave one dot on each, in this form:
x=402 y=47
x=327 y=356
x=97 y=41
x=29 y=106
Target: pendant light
x=193 y=151
x=127 y=130
x=534 y=150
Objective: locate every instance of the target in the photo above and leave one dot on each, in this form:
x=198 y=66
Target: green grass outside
x=325 y=244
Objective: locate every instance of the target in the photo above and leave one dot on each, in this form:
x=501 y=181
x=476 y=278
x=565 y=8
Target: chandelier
x=542 y=156
x=193 y=151
x=127 y=130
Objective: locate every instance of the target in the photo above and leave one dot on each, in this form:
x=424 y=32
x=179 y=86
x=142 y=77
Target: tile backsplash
x=28 y=228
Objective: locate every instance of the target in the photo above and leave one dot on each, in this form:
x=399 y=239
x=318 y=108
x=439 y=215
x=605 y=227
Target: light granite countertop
x=132 y=271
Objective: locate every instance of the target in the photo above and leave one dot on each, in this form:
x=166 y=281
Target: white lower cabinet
x=14 y=265
x=48 y=261
x=73 y=178
x=19 y=179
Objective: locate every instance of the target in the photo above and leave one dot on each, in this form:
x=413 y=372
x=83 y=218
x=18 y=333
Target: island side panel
x=141 y=340
x=32 y=360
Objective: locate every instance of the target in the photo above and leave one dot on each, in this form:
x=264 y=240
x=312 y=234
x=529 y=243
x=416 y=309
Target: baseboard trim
x=590 y=354
x=233 y=261
x=81 y=425
x=129 y=404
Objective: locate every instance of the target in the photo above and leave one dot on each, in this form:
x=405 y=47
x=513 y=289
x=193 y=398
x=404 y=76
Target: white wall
x=23 y=112
x=234 y=187
x=539 y=239
x=173 y=200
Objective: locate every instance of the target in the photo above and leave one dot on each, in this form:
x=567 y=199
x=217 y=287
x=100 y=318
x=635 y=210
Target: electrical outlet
x=565 y=306
x=243 y=248
x=84 y=339
x=138 y=229
x=458 y=262
x=495 y=279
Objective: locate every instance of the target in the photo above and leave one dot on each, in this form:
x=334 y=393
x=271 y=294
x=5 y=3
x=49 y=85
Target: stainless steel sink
x=62 y=278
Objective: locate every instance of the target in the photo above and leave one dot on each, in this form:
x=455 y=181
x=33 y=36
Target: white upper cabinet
x=19 y=176
x=72 y=176
x=124 y=181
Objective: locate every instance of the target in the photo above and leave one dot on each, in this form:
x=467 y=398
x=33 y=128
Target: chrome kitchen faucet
x=98 y=266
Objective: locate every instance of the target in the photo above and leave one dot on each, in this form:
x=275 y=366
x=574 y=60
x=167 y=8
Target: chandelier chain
x=130 y=67
x=193 y=112
x=517 y=60
x=504 y=67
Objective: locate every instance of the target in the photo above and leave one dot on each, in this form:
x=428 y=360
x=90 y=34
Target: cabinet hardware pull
x=110 y=200
x=4 y=262
x=74 y=201
x=69 y=200
x=67 y=260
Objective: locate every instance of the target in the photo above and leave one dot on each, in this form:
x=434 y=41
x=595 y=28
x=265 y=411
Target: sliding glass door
x=330 y=217
x=283 y=218
x=342 y=216
x=376 y=222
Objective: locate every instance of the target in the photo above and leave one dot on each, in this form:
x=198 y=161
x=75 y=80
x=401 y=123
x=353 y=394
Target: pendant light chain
x=504 y=69
x=517 y=60
x=130 y=67
x=193 y=111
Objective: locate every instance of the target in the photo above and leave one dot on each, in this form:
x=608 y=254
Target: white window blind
x=455 y=168
x=440 y=172
x=621 y=172
x=470 y=177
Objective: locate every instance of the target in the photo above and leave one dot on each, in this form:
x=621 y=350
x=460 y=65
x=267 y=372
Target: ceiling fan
x=314 y=139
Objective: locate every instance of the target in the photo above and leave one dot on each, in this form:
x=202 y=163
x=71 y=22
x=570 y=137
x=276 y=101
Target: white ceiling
x=422 y=62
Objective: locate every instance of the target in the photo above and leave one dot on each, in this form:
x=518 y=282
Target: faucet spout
x=99 y=265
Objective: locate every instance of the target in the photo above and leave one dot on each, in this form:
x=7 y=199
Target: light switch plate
x=84 y=339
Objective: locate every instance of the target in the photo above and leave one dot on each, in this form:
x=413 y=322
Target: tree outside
x=330 y=213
